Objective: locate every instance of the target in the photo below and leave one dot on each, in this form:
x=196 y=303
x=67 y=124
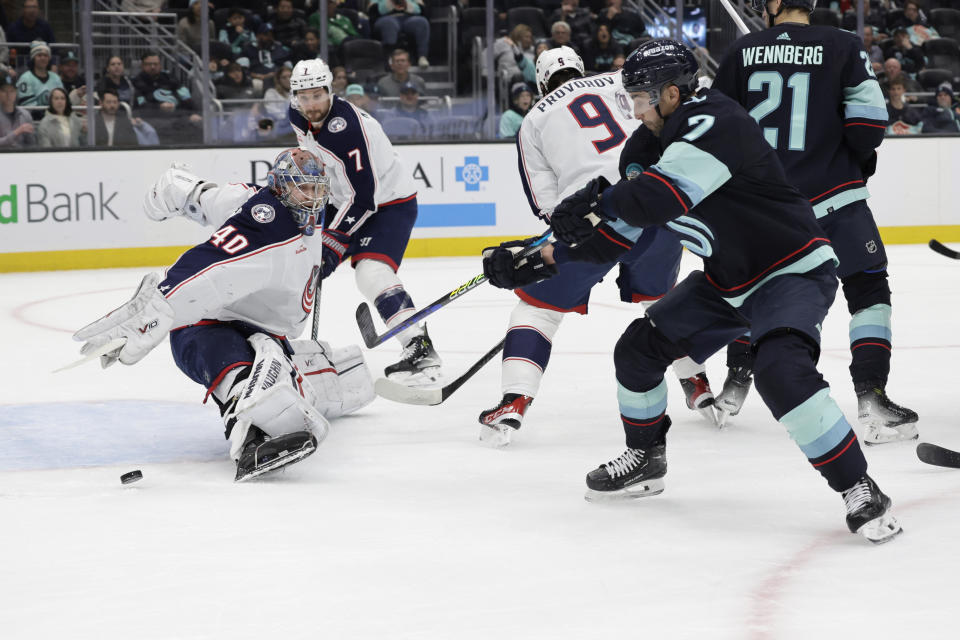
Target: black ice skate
x=262 y=454
x=499 y=422
x=419 y=362
x=885 y=420
x=699 y=396
x=637 y=473
x=735 y=390
x=867 y=512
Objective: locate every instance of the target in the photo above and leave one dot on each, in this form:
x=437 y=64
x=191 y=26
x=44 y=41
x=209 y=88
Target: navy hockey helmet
x=760 y=5
x=658 y=63
x=301 y=185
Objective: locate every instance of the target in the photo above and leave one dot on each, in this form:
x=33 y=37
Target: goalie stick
x=937 y=455
x=365 y=319
x=96 y=353
x=944 y=250
x=412 y=395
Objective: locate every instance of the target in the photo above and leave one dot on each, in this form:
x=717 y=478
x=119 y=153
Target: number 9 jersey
x=571 y=135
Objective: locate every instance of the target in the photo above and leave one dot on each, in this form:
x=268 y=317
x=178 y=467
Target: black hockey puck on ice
x=132 y=476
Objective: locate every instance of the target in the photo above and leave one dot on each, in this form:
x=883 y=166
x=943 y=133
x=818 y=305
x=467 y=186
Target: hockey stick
x=741 y=25
x=315 y=327
x=96 y=353
x=397 y=392
x=365 y=318
x=937 y=455
x=944 y=250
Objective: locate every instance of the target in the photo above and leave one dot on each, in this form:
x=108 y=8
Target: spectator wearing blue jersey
x=265 y=57
x=235 y=33
x=35 y=84
x=398 y=16
x=521 y=99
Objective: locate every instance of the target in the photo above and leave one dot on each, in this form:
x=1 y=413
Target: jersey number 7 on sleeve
x=601 y=118
x=799 y=82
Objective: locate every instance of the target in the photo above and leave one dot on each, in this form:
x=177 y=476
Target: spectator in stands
x=403 y=15
x=235 y=85
x=897 y=109
x=409 y=107
x=356 y=96
x=60 y=127
x=601 y=50
x=910 y=57
x=389 y=85
x=618 y=61
x=277 y=98
x=513 y=55
x=916 y=23
x=308 y=48
x=142 y=6
x=115 y=78
x=872 y=49
x=113 y=126
x=560 y=36
x=340 y=80
x=189 y=29
x=236 y=34
x=941 y=117
x=340 y=27
x=16 y=124
x=5 y=68
x=521 y=98
x=30 y=26
x=266 y=56
x=891 y=70
x=576 y=17
x=157 y=91
x=625 y=24
x=35 y=84
x=288 y=27
x=69 y=71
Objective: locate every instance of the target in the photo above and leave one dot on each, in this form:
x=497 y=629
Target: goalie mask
x=299 y=182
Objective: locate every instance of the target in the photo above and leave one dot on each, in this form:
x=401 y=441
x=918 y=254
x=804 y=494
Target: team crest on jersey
x=633 y=170
x=263 y=213
x=337 y=125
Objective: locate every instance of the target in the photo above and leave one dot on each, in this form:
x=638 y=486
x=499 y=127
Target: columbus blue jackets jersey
x=720 y=186
x=813 y=91
x=256 y=267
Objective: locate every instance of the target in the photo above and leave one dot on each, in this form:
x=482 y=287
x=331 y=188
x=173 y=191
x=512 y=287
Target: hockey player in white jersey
x=572 y=135
x=374 y=207
x=233 y=307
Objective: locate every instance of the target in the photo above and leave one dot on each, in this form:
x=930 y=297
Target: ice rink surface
x=403 y=526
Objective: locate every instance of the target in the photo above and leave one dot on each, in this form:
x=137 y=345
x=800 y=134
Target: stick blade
x=938 y=456
x=367 y=329
x=943 y=250
x=403 y=394
x=105 y=349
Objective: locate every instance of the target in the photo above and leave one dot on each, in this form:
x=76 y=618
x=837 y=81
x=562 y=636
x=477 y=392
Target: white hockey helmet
x=553 y=60
x=310 y=74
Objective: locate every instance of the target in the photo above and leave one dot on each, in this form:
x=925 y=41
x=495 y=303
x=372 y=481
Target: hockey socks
x=870 y=346
x=643 y=414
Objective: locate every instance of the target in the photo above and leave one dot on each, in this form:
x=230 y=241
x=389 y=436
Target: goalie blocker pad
x=339 y=378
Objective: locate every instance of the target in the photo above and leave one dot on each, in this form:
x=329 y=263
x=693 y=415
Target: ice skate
x=885 y=420
x=262 y=454
x=699 y=396
x=499 y=423
x=868 y=512
x=419 y=363
x=735 y=390
x=637 y=473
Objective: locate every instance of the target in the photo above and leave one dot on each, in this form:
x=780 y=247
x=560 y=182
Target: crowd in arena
x=911 y=46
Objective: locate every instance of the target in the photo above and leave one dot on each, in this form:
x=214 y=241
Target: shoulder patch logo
x=263 y=213
x=337 y=125
x=633 y=170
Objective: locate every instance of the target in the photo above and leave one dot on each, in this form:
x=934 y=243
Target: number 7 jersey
x=572 y=135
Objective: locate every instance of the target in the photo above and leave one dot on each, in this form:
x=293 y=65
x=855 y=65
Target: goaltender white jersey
x=257 y=267
x=572 y=135
x=364 y=169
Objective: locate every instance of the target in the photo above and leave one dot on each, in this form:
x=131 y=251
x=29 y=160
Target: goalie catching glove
x=504 y=270
x=176 y=193
x=144 y=321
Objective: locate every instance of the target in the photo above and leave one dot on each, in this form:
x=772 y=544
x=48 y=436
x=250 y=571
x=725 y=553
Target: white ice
x=402 y=526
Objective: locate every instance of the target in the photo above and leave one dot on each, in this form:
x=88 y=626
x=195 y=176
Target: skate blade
x=877 y=435
x=495 y=437
x=279 y=462
x=644 y=489
x=881 y=530
x=708 y=414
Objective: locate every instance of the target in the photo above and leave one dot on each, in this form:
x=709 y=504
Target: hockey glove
x=868 y=166
x=144 y=321
x=504 y=270
x=576 y=217
x=335 y=245
x=605 y=245
x=176 y=193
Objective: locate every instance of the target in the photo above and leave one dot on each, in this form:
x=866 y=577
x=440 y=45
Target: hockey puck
x=131 y=476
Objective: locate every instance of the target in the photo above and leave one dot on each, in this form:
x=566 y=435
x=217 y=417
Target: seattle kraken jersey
x=813 y=91
x=364 y=169
x=720 y=187
x=572 y=135
x=256 y=267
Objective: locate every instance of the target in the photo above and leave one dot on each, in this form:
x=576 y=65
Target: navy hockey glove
x=571 y=220
x=335 y=245
x=504 y=270
x=605 y=245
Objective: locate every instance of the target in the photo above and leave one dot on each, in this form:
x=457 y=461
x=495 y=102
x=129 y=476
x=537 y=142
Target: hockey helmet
x=553 y=60
x=310 y=74
x=760 y=5
x=293 y=172
x=654 y=65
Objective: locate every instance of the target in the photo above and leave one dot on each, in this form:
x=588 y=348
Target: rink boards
x=82 y=209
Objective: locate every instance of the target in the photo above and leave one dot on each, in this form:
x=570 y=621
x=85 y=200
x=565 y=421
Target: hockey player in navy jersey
x=233 y=307
x=374 y=207
x=767 y=268
x=813 y=91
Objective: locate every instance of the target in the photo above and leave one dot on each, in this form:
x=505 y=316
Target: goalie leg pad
x=339 y=377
